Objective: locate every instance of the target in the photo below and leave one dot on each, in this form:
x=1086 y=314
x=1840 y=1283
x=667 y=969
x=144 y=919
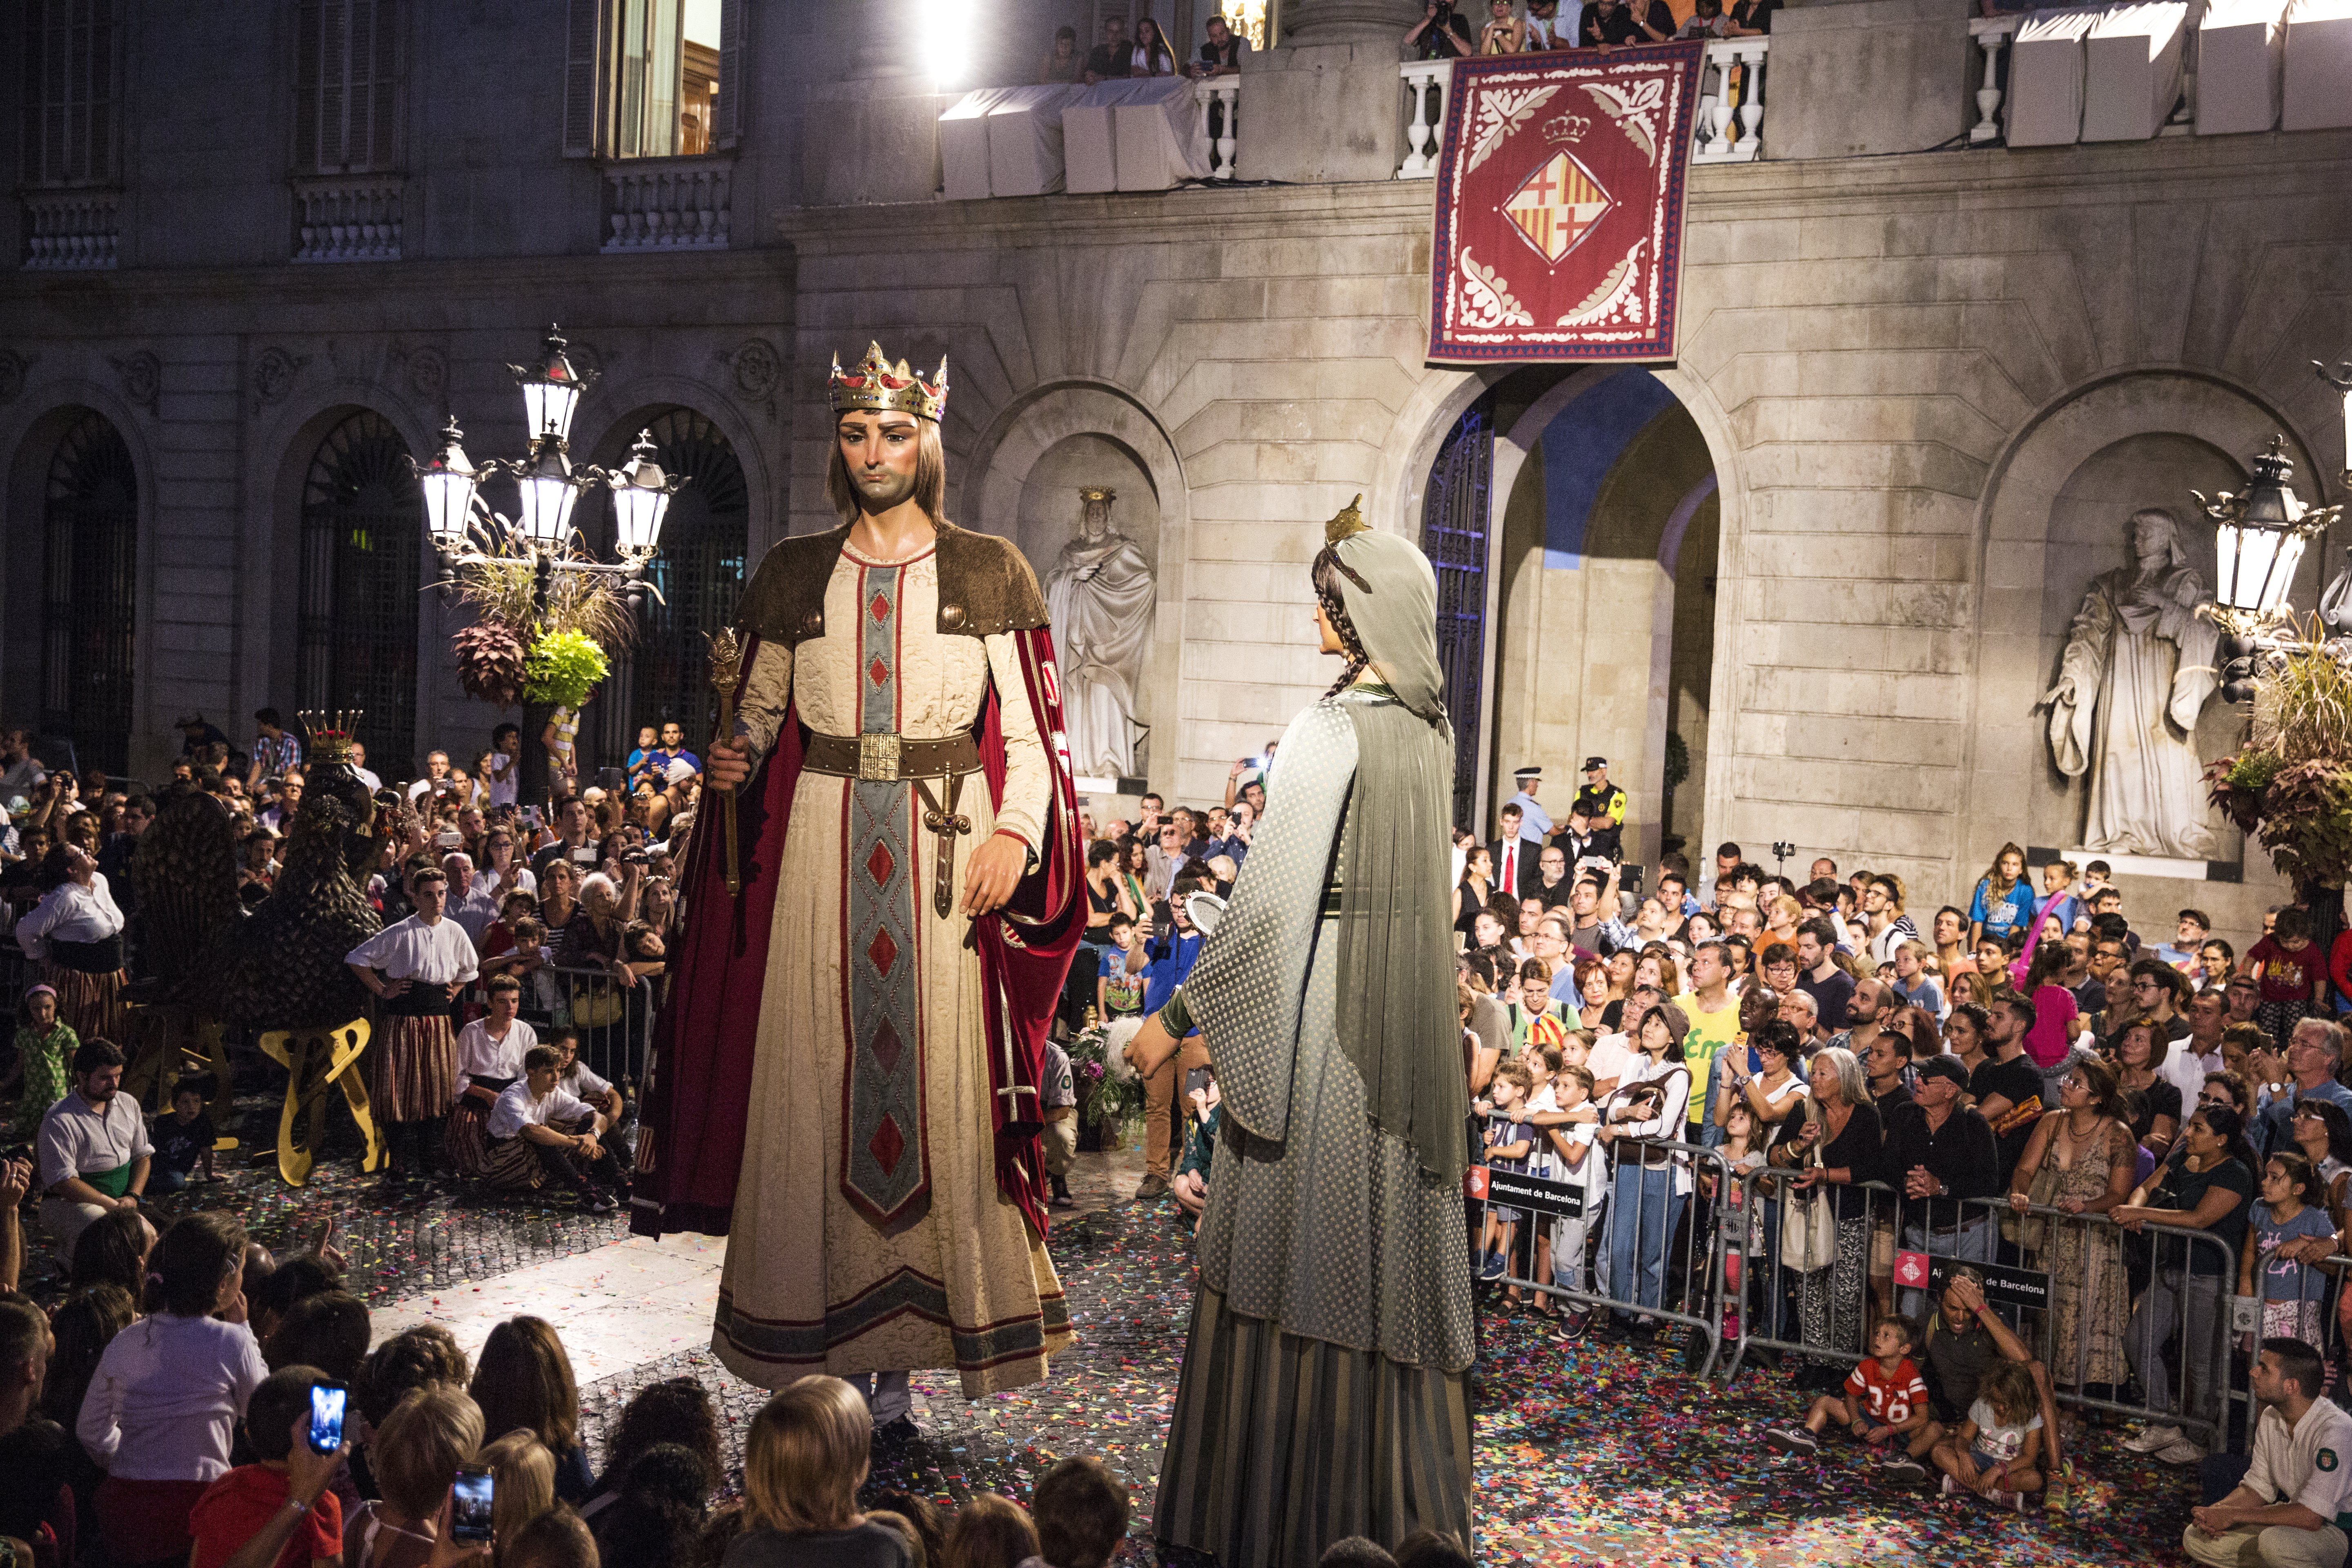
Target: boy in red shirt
x=277 y=1512
x=1885 y=1398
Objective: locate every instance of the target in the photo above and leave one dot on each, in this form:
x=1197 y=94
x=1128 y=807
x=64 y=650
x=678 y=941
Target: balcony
x=354 y=217
x=1730 y=121
x=668 y=203
x=70 y=230
x=1152 y=134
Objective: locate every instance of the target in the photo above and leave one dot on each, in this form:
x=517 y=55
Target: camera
x=472 y=1503
x=448 y=838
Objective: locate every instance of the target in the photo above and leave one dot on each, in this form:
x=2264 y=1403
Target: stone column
x=1325 y=104
x=870 y=132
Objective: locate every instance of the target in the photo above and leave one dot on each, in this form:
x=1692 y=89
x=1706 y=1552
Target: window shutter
x=383 y=93
x=584 y=43
x=307 y=72
x=727 y=126
x=334 y=85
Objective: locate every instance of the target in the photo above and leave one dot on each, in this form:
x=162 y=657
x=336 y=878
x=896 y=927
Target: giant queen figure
x=845 y=1083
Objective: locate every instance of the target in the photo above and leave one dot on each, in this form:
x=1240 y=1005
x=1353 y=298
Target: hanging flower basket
x=563 y=666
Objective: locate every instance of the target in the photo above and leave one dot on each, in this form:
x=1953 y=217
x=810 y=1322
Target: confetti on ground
x=1587 y=1454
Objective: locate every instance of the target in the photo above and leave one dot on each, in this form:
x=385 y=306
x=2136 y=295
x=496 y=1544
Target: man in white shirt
x=94 y=1149
x=2199 y=1051
x=412 y=968
x=490 y=1050
x=537 y=1131
x=360 y=768
x=1534 y=822
x=2286 y=1513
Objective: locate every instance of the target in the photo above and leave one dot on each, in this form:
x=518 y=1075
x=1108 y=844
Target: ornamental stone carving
x=13 y=366
x=143 y=378
x=273 y=375
x=428 y=374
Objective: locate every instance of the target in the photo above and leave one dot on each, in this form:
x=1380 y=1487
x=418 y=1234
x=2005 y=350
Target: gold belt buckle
x=877 y=758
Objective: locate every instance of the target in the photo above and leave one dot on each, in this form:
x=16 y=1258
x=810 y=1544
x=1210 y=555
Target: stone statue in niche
x=1099 y=595
x=2138 y=666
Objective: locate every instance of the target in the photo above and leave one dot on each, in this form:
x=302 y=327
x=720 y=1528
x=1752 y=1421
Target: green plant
x=1677 y=759
x=562 y=667
x=2306 y=821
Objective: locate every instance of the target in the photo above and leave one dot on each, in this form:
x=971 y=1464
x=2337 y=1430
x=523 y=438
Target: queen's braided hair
x=1327 y=572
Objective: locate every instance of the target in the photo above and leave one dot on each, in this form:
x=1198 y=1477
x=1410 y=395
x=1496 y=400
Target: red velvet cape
x=699 y=1080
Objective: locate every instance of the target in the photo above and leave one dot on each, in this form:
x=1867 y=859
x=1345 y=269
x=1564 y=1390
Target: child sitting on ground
x=1885 y=1398
x=1996 y=1452
x=184 y=1140
x=1509 y=1141
x=1081 y=1512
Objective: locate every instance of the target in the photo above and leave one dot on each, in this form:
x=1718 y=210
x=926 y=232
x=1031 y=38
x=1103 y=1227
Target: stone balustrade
x=1991 y=35
x=668 y=203
x=1220 y=99
x=1731 y=101
x=70 y=230
x=356 y=217
x=1427 y=84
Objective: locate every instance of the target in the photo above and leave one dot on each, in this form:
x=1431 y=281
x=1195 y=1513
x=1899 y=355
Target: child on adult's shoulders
x=1883 y=1404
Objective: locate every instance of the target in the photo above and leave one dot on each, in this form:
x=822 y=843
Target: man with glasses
x=2158 y=992
x=1161 y=860
x=1940 y=1152
x=2313 y=1054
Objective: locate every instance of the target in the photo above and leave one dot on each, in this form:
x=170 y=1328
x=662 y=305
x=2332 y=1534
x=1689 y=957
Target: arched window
x=700 y=573
x=90 y=593
x=1454 y=521
x=362 y=557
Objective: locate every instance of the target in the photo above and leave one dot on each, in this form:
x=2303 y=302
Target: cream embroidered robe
x=869 y=1234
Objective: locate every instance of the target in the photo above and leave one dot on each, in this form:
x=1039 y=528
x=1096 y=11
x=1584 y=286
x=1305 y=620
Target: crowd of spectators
x=1456 y=29
x=163 y=1414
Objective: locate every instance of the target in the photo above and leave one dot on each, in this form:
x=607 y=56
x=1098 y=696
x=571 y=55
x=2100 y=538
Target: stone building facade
x=1832 y=552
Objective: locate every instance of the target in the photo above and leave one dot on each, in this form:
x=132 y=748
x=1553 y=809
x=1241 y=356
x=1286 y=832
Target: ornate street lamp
x=2259 y=535
x=478 y=546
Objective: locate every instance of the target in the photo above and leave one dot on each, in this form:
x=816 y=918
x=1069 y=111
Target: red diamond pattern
x=886 y=1145
x=887 y=1045
x=879 y=865
x=880 y=608
x=882 y=951
x=878 y=672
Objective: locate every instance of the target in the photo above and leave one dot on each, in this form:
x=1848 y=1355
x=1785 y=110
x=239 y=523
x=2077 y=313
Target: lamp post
x=2260 y=536
x=469 y=536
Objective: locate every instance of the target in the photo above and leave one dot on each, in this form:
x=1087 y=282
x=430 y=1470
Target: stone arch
x=2133 y=438
x=1018 y=439
x=706 y=557
x=611 y=408
x=49 y=410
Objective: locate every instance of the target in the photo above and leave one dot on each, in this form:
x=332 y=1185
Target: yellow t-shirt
x=1709 y=1032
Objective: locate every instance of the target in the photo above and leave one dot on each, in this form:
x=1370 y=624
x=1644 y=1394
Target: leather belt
x=888 y=759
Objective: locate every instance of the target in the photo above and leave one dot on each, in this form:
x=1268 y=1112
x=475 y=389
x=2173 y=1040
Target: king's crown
x=882 y=387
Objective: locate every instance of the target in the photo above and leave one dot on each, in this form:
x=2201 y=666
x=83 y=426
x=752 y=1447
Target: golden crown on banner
x=1565 y=128
x=882 y=387
x=330 y=734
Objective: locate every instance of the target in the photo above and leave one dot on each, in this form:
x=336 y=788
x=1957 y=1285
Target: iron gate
x=363 y=555
x=1453 y=522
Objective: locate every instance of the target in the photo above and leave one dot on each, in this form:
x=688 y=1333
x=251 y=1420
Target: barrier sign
x=1517 y=1190
x=2004 y=1286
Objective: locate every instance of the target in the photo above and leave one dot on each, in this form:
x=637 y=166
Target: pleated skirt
x=91 y=1002
x=412 y=1067
x=465 y=1138
x=1281 y=1446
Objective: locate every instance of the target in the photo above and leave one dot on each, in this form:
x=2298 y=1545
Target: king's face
x=879 y=450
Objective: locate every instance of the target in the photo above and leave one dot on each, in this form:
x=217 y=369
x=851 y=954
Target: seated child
x=1884 y=1398
x=184 y=1140
x=1081 y=1512
x=1996 y=1452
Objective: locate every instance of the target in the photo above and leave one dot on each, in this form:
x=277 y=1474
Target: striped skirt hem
x=513 y=1165
x=92 y=1004
x=465 y=1138
x=412 y=1067
x=1281 y=1444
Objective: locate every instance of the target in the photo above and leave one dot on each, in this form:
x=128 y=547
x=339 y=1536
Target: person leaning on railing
x=2205 y=1186
x=2080 y=1160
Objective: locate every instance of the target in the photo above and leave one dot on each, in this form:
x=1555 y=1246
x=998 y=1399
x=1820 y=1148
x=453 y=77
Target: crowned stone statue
x=2137 y=668
x=1099 y=595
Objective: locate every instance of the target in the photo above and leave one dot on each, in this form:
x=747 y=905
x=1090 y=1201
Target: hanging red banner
x=1560 y=204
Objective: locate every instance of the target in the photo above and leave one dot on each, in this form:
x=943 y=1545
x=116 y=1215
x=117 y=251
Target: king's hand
x=728 y=763
x=1152 y=1048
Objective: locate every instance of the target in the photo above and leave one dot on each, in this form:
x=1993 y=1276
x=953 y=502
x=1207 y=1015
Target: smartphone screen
x=469 y=1504
x=327 y=1400
x=585 y=856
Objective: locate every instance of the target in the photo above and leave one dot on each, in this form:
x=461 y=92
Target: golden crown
x=1350 y=520
x=882 y=387
x=330 y=735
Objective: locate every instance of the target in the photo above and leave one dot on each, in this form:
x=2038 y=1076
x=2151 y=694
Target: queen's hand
x=1148 y=1051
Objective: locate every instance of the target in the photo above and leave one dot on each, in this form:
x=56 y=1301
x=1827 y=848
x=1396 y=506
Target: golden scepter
x=726 y=675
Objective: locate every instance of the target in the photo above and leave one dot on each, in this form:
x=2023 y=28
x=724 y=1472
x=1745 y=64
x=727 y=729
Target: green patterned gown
x=1323 y=1392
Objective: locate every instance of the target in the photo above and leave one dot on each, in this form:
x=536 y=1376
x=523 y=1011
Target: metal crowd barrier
x=615 y=1022
x=2063 y=1281
x=1624 y=1242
